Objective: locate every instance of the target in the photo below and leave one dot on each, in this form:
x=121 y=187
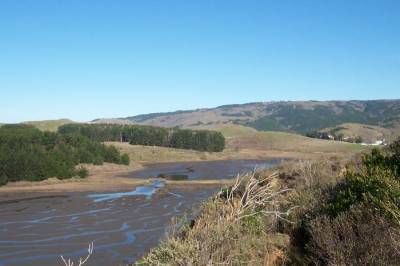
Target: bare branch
x=82 y=261
x=250 y=196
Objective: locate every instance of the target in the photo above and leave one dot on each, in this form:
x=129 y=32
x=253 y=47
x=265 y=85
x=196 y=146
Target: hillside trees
x=29 y=154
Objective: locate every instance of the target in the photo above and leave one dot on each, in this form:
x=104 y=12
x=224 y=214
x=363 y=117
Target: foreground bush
x=378 y=189
x=347 y=214
x=355 y=221
x=375 y=184
x=359 y=236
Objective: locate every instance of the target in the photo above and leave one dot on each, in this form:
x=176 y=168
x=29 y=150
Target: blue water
x=146 y=191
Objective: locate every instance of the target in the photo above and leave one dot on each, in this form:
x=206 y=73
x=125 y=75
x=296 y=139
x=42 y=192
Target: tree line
x=27 y=153
x=201 y=140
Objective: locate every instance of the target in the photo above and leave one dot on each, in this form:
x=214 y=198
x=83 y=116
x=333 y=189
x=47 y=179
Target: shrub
x=375 y=184
x=356 y=237
x=378 y=189
x=394 y=157
x=353 y=222
x=83 y=172
x=125 y=159
x=3 y=180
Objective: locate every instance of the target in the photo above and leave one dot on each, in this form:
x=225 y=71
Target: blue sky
x=87 y=59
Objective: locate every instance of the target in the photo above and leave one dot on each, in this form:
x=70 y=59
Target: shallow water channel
x=122 y=225
x=203 y=170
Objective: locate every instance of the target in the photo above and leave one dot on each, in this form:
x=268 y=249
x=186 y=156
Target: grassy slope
x=49 y=125
x=368 y=133
x=243 y=143
x=245 y=137
x=162 y=154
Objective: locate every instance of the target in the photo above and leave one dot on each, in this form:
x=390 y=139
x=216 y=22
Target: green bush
x=3 y=180
x=125 y=159
x=375 y=184
x=394 y=157
x=354 y=222
x=83 y=172
x=378 y=189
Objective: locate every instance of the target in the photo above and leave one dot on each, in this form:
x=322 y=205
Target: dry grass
x=161 y=154
x=245 y=143
x=291 y=142
x=246 y=224
x=154 y=154
x=248 y=138
x=237 y=227
x=252 y=221
x=254 y=195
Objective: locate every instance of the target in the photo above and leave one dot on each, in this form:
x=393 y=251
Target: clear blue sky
x=87 y=59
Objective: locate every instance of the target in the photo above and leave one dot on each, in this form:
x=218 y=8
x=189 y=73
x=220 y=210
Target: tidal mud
x=123 y=225
x=36 y=232
x=223 y=169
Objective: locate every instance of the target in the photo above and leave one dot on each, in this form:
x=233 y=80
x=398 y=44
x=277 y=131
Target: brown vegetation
x=357 y=237
x=234 y=228
x=318 y=212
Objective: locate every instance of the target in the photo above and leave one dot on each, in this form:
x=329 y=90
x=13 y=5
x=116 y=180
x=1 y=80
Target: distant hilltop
x=289 y=116
x=369 y=121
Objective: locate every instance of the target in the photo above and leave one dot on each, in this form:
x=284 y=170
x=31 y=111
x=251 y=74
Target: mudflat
x=124 y=212
x=206 y=170
x=37 y=230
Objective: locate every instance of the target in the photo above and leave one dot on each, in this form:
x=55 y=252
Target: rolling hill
x=368 y=133
x=288 y=116
x=49 y=125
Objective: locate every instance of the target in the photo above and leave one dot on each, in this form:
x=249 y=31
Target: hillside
x=368 y=133
x=49 y=125
x=288 y=116
x=241 y=137
x=244 y=143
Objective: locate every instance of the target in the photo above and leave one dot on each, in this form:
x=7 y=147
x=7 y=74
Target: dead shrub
x=356 y=237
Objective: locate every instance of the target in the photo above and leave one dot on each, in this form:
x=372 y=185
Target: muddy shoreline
x=37 y=230
x=123 y=214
